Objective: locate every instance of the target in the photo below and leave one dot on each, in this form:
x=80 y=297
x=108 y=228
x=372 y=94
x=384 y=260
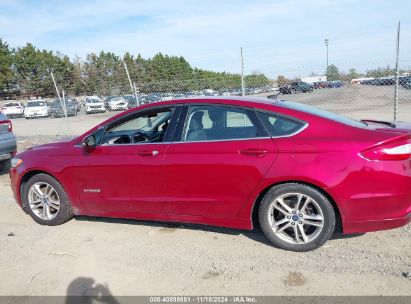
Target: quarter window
x=278 y=125
x=221 y=123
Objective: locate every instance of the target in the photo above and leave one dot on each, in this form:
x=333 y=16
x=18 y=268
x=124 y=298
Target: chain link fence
x=361 y=97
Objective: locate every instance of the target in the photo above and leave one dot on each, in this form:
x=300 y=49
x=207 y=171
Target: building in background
x=312 y=79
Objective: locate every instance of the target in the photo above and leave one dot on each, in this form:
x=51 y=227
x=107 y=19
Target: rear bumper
x=13 y=113
x=375 y=225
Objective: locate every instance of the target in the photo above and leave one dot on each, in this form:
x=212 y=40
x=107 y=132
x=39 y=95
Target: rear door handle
x=148 y=153
x=254 y=152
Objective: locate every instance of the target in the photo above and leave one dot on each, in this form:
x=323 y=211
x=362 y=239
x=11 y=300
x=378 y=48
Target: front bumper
x=99 y=109
x=14 y=184
x=37 y=114
x=118 y=107
x=62 y=114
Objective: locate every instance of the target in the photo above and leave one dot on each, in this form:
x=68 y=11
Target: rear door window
x=211 y=122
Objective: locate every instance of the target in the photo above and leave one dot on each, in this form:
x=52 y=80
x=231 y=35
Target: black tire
x=4 y=166
x=321 y=200
x=65 y=212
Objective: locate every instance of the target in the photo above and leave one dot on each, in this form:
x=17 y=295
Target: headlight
x=15 y=162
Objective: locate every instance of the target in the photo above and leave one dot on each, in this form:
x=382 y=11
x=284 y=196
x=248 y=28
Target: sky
x=284 y=37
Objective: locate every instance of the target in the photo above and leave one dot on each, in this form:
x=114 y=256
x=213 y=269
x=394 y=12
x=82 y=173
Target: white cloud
x=277 y=35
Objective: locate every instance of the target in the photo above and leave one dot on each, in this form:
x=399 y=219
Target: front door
x=125 y=172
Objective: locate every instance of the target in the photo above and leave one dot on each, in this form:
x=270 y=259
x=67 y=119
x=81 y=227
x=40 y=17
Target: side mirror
x=89 y=143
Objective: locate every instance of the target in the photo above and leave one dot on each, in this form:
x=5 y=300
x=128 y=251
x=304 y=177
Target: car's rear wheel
x=296 y=217
x=46 y=201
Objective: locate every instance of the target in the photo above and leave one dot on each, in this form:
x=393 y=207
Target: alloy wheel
x=296 y=218
x=44 y=201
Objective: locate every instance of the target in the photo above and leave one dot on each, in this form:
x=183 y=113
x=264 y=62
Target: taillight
x=8 y=123
x=398 y=148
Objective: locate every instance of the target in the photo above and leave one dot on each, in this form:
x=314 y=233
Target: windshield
x=36 y=104
x=12 y=104
x=143 y=123
x=319 y=112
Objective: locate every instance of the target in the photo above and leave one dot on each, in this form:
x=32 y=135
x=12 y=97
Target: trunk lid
x=397 y=126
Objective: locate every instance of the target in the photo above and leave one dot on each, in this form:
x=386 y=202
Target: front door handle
x=254 y=152
x=148 y=153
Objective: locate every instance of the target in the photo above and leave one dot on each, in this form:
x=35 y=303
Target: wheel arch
x=26 y=177
x=257 y=202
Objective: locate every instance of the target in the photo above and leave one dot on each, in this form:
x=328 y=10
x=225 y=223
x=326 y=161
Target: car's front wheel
x=296 y=217
x=46 y=201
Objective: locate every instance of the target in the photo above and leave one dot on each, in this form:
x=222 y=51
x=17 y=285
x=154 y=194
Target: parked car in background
x=116 y=103
x=36 y=108
x=334 y=84
x=131 y=100
x=59 y=108
x=382 y=81
x=94 y=104
x=285 y=89
x=166 y=96
x=13 y=109
x=296 y=87
x=153 y=98
x=407 y=84
x=300 y=86
x=404 y=79
x=76 y=102
x=8 y=143
x=320 y=84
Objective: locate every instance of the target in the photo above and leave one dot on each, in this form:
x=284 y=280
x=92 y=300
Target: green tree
x=282 y=81
x=332 y=73
x=380 y=72
x=6 y=62
x=352 y=74
x=33 y=67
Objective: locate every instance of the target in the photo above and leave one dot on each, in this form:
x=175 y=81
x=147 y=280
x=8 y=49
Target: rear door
x=219 y=157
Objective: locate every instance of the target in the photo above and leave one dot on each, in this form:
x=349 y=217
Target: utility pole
x=326 y=46
x=136 y=93
x=55 y=86
x=397 y=54
x=65 y=114
x=242 y=73
x=129 y=79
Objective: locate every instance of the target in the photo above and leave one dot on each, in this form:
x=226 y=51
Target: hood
x=45 y=149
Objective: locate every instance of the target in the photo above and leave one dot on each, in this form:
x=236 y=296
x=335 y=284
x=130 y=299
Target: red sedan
x=217 y=161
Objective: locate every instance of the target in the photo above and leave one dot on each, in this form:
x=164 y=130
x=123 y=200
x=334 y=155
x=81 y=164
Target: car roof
x=240 y=100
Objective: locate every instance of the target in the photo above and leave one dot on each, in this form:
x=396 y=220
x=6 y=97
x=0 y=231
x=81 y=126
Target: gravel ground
x=146 y=258
x=124 y=257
